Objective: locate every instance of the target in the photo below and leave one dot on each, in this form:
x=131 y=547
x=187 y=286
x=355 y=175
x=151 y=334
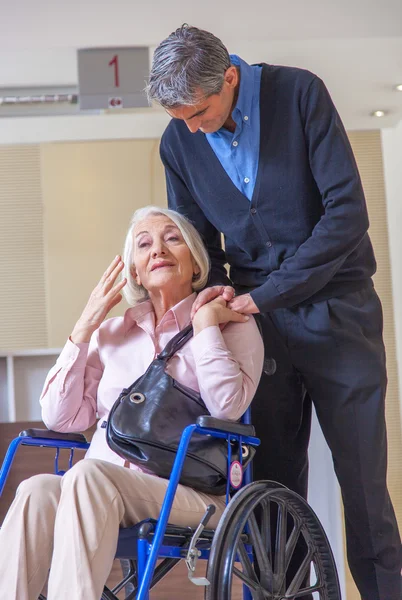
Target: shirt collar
x=143 y=314
x=246 y=91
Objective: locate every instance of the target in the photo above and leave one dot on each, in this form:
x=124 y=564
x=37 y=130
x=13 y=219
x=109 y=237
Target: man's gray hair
x=190 y=60
x=135 y=293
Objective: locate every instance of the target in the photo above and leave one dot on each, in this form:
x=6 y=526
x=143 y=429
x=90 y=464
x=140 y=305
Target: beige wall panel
x=22 y=294
x=90 y=190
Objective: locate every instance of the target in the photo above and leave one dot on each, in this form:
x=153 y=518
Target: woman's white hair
x=135 y=293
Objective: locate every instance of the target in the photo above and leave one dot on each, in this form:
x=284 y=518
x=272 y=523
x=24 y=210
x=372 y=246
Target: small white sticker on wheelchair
x=235 y=474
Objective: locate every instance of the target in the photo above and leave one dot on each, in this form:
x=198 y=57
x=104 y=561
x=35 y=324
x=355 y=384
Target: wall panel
x=90 y=190
x=368 y=152
x=22 y=292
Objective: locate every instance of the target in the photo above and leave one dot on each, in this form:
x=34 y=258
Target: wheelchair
x=264 y=526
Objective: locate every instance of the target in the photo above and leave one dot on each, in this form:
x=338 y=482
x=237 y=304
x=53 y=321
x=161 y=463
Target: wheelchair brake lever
x=193 y=553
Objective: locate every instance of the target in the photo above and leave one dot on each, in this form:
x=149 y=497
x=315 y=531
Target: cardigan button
x=253 y=211
x=268 y=244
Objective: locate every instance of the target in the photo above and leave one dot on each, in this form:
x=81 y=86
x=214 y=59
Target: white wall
x=325 y=498
x=139 y=124
x=359 y=73
x=392 y=156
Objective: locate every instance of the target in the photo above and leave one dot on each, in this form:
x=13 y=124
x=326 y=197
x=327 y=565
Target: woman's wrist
x=81 y=334
x=203 y=318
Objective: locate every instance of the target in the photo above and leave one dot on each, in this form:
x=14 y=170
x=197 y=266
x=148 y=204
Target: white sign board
x=112 y=77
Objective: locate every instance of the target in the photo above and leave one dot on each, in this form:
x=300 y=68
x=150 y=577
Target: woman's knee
x=43 y=487
x=89 y=484
x=83 y=469
x=87 y=473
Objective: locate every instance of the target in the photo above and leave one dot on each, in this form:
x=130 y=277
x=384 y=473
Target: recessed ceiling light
x=378 y=113
x=399 y=87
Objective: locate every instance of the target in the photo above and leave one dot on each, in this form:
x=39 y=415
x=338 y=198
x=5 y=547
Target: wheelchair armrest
x=47 y=434
x=229 y=426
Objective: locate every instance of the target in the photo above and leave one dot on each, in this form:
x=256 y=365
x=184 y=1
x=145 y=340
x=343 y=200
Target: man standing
x=259 y=154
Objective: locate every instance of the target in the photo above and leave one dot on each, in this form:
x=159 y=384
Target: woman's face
x=162 y=259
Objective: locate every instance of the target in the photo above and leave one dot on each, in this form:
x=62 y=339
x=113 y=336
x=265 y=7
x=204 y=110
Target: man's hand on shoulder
x=244 y=304
x=226 y=291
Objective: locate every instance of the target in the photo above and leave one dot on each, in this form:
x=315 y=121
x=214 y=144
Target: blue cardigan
x=303 y=237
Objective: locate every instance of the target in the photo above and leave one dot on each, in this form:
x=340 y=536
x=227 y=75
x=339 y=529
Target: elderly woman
x=70 y=524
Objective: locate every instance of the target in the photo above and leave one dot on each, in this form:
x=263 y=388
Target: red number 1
x=115 y=63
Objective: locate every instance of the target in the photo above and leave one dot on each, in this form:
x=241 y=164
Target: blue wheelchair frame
x=148 y=552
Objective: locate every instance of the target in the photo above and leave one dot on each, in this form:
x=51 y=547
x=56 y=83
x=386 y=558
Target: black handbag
x=146 y=422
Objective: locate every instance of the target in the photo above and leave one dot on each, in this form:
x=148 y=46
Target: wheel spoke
x=246 y=564
x=302 y=572
x=292 y=541
x=303 y=592
x=280 y=581
x=250 y=583
x=266 y=575
x=280 y=548
x=266 y=528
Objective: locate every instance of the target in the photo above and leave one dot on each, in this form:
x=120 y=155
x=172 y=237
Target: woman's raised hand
x=103 y=298
x=215 y=312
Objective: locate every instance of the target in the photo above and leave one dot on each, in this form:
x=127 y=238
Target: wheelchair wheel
x=246 y=547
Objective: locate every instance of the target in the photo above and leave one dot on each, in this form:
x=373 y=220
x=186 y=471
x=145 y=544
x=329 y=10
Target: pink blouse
x=224 y=366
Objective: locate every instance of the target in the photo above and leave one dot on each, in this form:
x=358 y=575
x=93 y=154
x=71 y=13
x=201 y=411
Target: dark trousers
x=332 y=354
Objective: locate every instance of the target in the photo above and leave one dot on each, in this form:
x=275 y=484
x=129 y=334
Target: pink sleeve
x=69 y=395
x=229 y=366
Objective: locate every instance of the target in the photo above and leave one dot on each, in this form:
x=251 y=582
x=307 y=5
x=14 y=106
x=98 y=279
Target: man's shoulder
x=287 y=87
x=284 y=78
x=175 y=128
x=177 y=136
x=287 y=76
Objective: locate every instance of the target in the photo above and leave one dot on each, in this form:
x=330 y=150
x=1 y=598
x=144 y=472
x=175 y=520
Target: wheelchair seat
x=174 y=536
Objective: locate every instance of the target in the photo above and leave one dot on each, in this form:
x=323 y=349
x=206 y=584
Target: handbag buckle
x=137 y=397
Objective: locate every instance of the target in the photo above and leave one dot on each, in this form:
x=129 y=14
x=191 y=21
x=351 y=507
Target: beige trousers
x=70 y=525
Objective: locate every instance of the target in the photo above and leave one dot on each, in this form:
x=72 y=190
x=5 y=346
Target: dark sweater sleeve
x=180 y=199
x=344 y=222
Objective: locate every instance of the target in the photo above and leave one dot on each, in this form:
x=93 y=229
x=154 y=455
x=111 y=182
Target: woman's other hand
x=215 y=312
x=209 y=294
x=103 y=298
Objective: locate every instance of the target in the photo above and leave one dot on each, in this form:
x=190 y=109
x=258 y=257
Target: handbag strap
x=176 y=343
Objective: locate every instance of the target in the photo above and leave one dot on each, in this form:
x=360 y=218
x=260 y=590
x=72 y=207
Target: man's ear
x=231 y=76
x=135 y=275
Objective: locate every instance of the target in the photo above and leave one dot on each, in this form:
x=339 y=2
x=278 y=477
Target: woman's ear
x=135 y=275
x=196 y=271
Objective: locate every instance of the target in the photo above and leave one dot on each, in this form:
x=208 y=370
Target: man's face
x=211 y=113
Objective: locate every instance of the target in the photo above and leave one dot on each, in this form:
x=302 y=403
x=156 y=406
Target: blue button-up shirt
x=238 y=152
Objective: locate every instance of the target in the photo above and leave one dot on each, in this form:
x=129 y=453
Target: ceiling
x=53 y=24
x=355 y=45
